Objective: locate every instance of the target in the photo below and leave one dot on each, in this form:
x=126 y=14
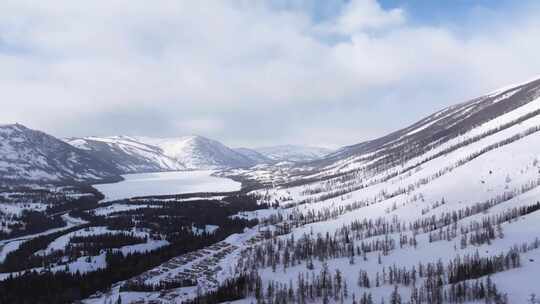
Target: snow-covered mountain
x=464 y=181
x=446 y=210
x=449 y=129
x=452 y=128
x=254 y=155
x=293 y=153
x=138 y=154
x=33 y=156
x=197 y=152
x=150 y=154
x=127 y=154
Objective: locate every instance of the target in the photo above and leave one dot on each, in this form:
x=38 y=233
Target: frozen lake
x=163 y=183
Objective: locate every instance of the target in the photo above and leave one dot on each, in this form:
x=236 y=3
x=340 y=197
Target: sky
x=254 y=72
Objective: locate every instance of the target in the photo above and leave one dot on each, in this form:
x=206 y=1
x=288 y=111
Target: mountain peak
x=34 y=156
x=198 y=152
x=133 y=154
x=16 y=126
x=514 y=86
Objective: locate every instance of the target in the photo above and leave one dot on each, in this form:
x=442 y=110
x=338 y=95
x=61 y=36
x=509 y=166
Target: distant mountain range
x=127 y=154
x=29 y=155
x=293 y=153
x=454 y=128
x=146 y=154
x=150 y=154
x=33 y=156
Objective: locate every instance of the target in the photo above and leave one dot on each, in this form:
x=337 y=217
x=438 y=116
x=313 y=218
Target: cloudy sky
x=251 y=72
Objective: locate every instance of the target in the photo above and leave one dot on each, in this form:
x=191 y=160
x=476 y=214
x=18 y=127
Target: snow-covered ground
x=442 y=198
x=475 y=194
x=208 y=267
x=61 y=242
x=86 y=263
x=163 y=183
x=207 y=229
x=120 y=207
x=18 y=208
x=9 y=245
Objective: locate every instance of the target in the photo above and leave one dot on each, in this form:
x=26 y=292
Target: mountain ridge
x=293 y=153
x=139 y=154
x=33 y=156
x=499 y=109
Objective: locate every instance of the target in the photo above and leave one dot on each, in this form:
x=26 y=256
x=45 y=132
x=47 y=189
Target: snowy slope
x=33 y=156
x=148 y=154
x=453 y=123
x=448 y=201
x=480 y=171
x=254 y=155
x=197 y=152
x=127 y=154
x=293 y=153
x=434 y=136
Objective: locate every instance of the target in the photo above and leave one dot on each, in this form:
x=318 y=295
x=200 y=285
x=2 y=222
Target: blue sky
x=253 y=73
x=448 y=11
x=423 y=12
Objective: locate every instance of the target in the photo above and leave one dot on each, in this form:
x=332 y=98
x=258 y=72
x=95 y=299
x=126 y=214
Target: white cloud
x=244 y=71
x=361 y=15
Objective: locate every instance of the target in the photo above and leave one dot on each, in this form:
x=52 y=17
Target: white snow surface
x=136 y=154
x=151 y=157
x=197 y=152
x=120 y=207
x=9 y=245
x=164 y=183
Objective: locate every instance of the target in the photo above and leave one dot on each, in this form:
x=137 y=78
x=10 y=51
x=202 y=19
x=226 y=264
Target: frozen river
x=163 y=183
